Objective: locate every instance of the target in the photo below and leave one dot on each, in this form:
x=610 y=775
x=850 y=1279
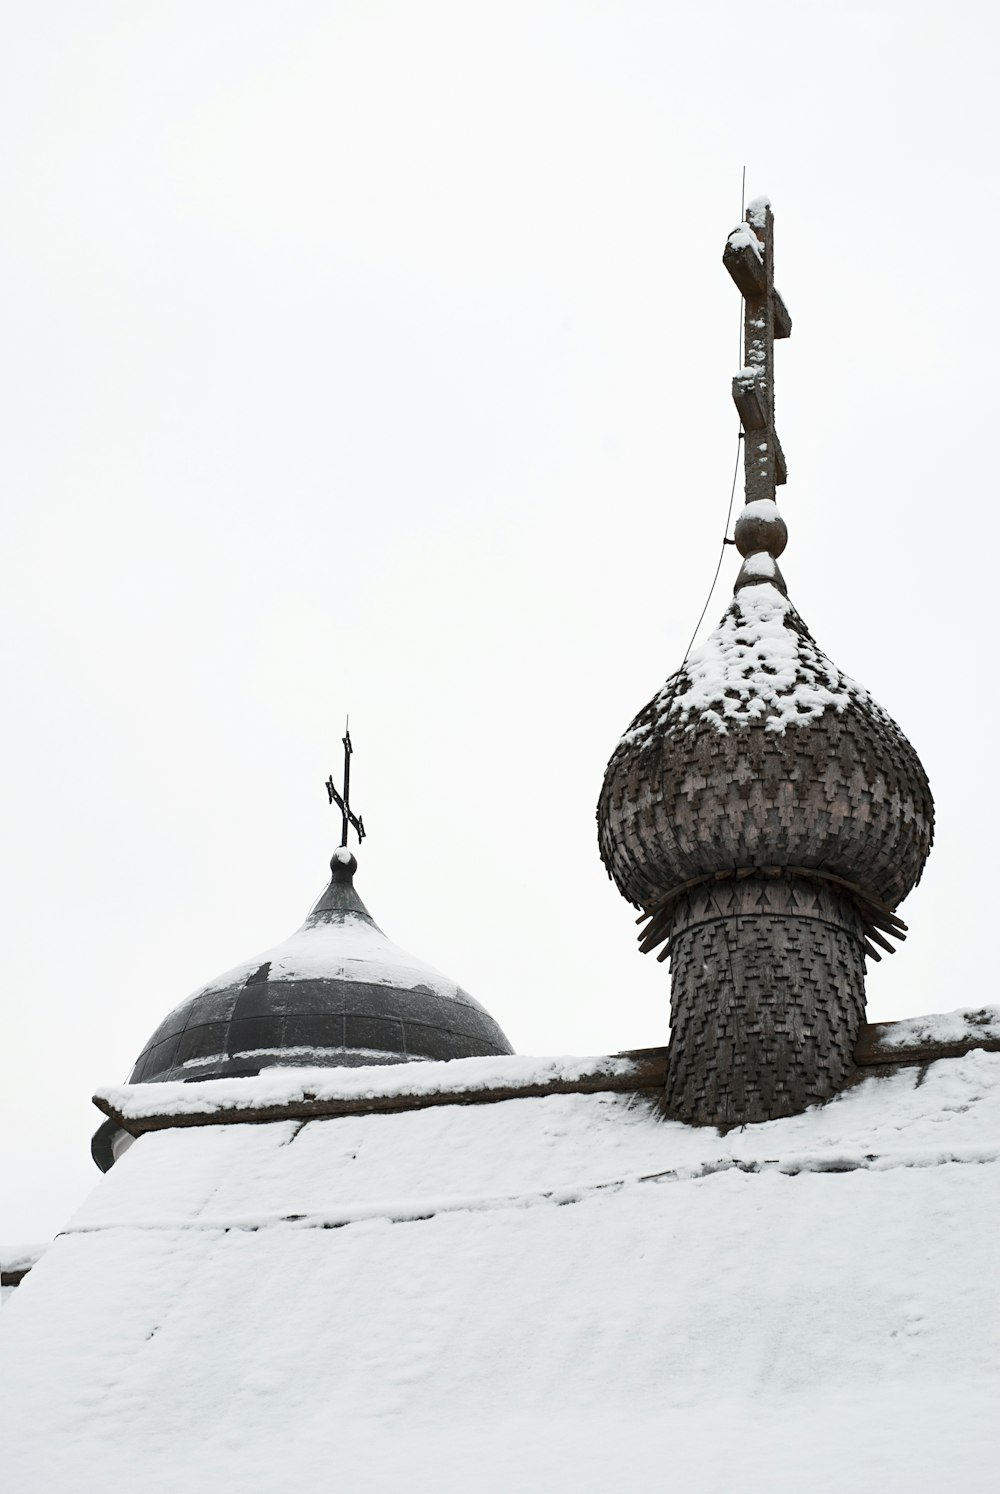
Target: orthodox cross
x=348 y=817
x=749 y=258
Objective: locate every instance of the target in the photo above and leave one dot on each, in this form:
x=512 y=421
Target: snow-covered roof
x=296 y=1091
x=17 y=1260
x=536 y=1294
x=15 y=1263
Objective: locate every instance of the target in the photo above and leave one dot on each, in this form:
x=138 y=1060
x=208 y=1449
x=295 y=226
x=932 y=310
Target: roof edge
x=137 y=1108
x=300 y=1094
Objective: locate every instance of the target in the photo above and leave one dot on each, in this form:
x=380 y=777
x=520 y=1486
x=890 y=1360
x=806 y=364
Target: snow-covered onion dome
x=768 y=815
x=338 y=992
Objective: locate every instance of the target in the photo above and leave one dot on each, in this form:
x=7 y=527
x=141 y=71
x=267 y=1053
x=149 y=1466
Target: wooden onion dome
x=767 y=816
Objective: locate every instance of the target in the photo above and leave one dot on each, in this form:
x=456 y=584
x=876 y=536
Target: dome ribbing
x=338 y=992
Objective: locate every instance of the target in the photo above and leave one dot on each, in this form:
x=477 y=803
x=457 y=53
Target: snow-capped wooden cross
x=749 y=258
x=343 y=801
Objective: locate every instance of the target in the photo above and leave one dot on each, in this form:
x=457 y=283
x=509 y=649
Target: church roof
x=558 y=1292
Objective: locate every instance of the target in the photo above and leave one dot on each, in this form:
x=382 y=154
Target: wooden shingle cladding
x=768 y=852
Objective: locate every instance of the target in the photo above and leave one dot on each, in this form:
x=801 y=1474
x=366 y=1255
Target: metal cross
x=348 y=817
x=749 y=258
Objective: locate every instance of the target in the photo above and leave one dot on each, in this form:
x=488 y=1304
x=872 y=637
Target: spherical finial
x=760 y=537
x=759 y=528
x=343 y=864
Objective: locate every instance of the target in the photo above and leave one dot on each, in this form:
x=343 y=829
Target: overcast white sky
x=376 y=357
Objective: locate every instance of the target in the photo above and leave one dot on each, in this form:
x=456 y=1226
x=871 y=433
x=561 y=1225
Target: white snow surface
x=15 y=1258
x=351 y=949
x=21 y=1257
x=531 y=1295
x=755 y=668
x=757 y=211
x=761 y=508
x=743 y=237
x=759 y=564
x=285 y=1086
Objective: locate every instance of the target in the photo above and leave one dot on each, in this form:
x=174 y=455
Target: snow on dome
x=759 y=751
x=760 y=664
x=352 y=949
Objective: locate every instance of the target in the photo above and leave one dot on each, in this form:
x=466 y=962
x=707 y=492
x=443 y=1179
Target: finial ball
x=343 y=864
x=760 y=527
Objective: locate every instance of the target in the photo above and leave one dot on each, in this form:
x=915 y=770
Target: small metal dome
x=338 y=992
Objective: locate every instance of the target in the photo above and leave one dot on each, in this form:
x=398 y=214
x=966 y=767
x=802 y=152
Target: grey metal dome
x=338 y=992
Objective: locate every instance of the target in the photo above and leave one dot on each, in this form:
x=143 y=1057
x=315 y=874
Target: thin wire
x=743 y=210
x=722 y=551
x=742 y=302
x=736 y=469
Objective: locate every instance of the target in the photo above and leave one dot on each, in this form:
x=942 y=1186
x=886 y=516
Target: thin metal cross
x=343 y=802
x=749 y=258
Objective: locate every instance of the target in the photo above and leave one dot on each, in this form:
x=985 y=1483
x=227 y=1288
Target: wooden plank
x=647 y=1071
x=873 y=1047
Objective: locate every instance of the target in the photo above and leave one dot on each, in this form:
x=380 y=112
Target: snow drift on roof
x=285 y=1086
x=534 y=1295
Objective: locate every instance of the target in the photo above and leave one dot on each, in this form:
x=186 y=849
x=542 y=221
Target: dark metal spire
x=343 y=802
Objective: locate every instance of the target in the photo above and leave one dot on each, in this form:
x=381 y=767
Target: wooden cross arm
x=749 y=400
x=745 y=263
